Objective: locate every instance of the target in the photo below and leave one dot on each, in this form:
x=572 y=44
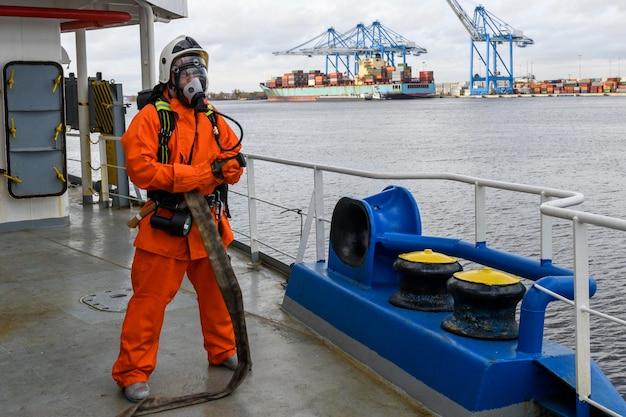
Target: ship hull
x=355 y=92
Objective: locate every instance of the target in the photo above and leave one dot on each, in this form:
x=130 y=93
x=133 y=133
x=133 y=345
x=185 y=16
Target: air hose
x=217 y=136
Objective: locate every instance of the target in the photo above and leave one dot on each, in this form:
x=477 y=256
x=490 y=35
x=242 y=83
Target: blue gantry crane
x=495 y=74
x=343 y=51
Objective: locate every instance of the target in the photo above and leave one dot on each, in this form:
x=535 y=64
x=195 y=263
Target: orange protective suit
x=161 y=259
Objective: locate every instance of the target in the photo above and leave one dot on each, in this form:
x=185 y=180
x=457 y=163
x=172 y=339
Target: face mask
x=194 y=92
x=193 y=71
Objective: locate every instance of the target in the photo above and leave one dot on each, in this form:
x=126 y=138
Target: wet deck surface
x=56 y=351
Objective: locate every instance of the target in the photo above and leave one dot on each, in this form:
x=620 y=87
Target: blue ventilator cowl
x=484 y=304
x=423 y=277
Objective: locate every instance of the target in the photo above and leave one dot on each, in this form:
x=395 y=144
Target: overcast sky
x=573 y=38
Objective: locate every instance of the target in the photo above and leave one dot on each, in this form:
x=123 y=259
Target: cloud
x=575 y=38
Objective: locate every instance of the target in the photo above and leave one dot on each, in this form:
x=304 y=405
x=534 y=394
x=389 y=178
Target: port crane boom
x=465 y=20
x=344 y=50
x=493 y=31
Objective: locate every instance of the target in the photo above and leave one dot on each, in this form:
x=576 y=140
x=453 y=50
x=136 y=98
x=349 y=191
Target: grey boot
x=137 y=391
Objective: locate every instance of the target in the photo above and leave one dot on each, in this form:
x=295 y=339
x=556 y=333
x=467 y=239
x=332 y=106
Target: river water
x=567 y=142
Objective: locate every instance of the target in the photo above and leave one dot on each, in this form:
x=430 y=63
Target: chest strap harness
x=179 y=223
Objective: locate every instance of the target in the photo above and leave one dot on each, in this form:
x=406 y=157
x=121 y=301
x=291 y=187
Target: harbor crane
x=495 y=75
x=343 y=51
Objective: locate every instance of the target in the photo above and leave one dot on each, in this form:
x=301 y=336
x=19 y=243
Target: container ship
x=374 y=80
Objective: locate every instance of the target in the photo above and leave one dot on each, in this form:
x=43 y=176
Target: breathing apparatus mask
x=190 y=81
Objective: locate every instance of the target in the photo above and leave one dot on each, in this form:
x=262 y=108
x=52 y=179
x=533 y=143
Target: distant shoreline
x=131 y=99
x=538 y=95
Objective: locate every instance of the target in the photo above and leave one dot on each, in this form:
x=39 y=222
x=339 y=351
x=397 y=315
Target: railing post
x=480 y=222
x=320 y=236
x=306 y=228
x=581 y=304
x=546 y=233
x=83 y=116
x=119 y=128
x=104 y=172
x=252 y=217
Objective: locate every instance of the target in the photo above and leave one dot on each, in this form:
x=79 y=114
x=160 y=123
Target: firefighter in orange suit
x=194 y=159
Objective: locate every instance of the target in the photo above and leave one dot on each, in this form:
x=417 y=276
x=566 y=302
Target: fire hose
x=231 y=292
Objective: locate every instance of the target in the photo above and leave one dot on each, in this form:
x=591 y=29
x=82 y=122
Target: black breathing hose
x=217 y=137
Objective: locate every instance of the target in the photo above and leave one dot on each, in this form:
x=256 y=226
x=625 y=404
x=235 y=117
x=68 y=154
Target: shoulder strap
x=168 y=123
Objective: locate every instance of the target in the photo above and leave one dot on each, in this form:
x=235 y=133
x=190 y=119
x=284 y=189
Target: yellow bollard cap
x=427 y=256
x=487 y=276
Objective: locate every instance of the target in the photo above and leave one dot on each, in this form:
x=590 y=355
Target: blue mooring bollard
x=423 y=277
x=484 y=304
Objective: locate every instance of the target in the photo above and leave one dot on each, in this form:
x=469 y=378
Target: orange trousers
x=156 y=280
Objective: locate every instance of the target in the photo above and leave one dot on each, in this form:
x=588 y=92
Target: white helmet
x=182 y=45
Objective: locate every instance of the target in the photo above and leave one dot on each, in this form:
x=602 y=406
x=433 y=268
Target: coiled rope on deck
x=231 y=292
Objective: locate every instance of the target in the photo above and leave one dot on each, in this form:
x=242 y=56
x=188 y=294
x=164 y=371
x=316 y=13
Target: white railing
x=554 y=203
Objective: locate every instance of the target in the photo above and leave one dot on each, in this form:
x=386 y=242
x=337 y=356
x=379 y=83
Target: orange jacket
x=140 y=143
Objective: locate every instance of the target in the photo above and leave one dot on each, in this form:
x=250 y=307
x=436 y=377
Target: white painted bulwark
x=30 y=30
x=27 y=39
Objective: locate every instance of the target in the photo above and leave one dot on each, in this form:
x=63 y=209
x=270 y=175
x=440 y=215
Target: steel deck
x=56 y=351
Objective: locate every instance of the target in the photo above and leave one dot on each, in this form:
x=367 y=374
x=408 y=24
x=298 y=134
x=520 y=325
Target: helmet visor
x=192 y=72
x=189 y=66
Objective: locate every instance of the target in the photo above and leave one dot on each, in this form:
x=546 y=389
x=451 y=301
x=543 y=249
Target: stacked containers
x=401 y=74
x=314 y=76
x=274 y=82
x=427 y=77
x=406 y=74
x=569 y=86
x=300 y=79
x=611 y=84
x=295 y=78
x=335 y=78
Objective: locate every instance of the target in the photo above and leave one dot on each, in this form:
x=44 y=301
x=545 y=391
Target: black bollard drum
x=484 y=304
x=423 y=277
